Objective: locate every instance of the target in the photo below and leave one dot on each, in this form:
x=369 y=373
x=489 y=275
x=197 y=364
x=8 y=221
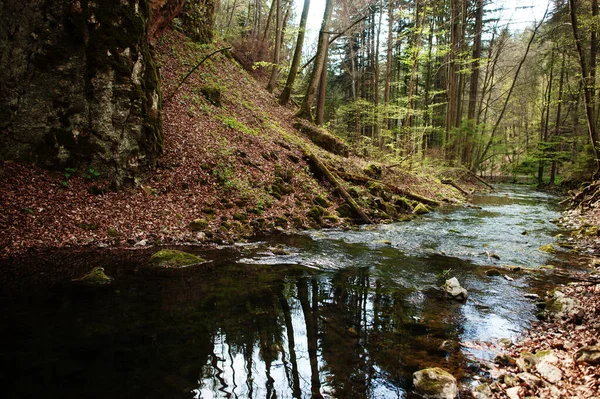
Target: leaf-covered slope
x=233 y=166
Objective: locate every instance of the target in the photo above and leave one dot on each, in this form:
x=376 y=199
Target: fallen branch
x=340 y=189
x=451 y=182
x=480 y=179
x=194 y=69
x=390 y=187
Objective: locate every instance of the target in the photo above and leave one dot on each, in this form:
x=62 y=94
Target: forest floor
x=233 y=166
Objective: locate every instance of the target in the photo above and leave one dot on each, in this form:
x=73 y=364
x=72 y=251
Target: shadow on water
x=344 y=314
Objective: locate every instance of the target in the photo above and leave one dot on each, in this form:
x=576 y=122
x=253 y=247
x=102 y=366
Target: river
x=348 y=314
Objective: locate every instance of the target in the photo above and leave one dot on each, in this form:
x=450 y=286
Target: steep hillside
x=233 y=166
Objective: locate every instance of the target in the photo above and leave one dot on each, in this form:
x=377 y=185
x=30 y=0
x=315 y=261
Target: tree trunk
x=388 y=63
x=451 y=87
x=306 y=107
x=588 y=85
x=289 y=84
x=322 y=88
x=276 y=50
x=269 y=18
x=557 y=122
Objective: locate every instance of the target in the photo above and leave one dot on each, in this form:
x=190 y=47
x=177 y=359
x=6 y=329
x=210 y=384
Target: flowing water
x=348 y=314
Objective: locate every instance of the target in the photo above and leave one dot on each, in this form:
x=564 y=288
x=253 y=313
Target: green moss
x=198 y=224
x=240 y=217
x=322 y=201
x=112 y=232
x=170 y=258
x=421 y=209
x=316 y=213
x=548 y=248
x=95 y=277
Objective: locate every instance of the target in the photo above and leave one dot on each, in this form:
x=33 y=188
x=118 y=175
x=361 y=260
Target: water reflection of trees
x=242 y=331
x=345 y=333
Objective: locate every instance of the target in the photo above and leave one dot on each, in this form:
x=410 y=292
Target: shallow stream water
x=347 y=314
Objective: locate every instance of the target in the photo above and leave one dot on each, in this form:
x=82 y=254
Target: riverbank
x=559 y=356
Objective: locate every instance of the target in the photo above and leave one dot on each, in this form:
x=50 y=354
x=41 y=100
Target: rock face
x=435 y=383
x=454 y=290
x=78 y=86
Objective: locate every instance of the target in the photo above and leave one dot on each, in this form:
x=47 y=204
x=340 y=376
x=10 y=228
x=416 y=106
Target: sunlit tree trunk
x=306 y=107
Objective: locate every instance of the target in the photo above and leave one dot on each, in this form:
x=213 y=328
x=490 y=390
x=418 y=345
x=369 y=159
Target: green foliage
x=68 y=173
x=92 y=174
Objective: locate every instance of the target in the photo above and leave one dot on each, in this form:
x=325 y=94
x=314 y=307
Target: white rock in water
x=454 y=290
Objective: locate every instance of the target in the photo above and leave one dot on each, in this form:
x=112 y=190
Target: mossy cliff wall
x=78 y=86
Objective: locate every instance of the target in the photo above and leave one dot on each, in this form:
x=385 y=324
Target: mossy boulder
x=95 y=277
x=561 y=306
x=198 y=224
x=173 y=259
x=435 y=383
x=421 y=209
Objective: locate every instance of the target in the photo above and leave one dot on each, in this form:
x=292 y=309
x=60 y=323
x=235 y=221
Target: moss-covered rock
x=94 y=278
x=316 y=213
x=560 y=306
x=435 y=383
x=170 y=258
x=198 y=224
x=421 y=209
x=548 y=248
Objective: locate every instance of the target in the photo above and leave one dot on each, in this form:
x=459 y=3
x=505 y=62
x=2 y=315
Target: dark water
x=344 y=314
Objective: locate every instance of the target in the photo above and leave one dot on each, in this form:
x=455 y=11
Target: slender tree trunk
x=408 y=122
x=306 y=107
x=545 y=123
x=451 y=88
x=557 y=122
x=276 y=50
x=588 y=85
x=322 y=88
x=388 y=64
x=289 y=84
x=269 y=18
